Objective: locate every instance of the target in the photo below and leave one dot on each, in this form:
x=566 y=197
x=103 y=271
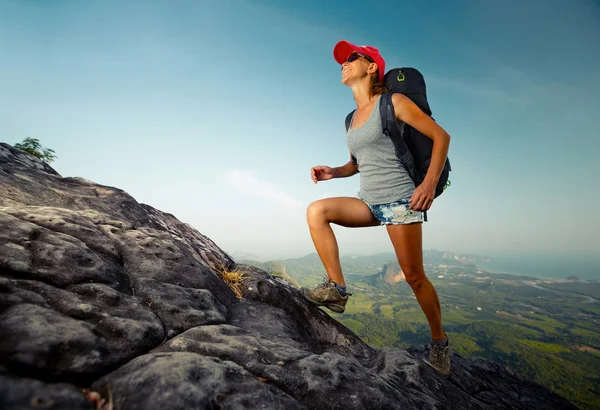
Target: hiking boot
x=439 y=357
x=326 y=294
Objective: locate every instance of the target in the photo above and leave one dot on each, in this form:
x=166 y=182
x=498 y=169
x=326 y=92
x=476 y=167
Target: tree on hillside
x=32 y=146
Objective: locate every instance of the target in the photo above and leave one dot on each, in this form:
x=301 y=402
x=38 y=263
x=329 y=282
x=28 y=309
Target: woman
x=387 y=196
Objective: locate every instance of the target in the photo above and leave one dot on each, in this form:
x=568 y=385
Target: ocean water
x=585 y=267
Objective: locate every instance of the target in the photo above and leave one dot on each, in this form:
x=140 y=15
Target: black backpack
x=413 y=149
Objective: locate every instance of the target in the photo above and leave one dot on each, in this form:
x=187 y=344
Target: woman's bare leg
x=344 y=211
x=407 y=242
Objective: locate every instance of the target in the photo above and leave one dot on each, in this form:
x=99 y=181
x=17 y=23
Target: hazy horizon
x=215 y=111
x=549 y=266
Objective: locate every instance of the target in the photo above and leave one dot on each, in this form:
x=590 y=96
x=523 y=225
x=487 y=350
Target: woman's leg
x=344 y=211
x=407 y=242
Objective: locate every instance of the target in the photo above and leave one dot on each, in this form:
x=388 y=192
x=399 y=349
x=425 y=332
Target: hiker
x=388 y=196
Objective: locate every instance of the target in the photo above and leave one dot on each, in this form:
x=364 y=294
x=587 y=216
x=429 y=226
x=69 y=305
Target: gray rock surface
x=20 y=393
x=100 y=292
x=182 y=380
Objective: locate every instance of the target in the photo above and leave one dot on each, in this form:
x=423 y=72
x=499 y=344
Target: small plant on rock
x=234 y=279
x=32 y=146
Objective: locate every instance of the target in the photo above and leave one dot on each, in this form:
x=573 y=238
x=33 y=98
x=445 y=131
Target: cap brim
x=342 y=51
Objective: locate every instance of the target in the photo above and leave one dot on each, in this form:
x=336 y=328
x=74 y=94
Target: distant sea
x=585 y=267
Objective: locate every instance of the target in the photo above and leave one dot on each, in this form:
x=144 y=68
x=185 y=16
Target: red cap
x=343 y=49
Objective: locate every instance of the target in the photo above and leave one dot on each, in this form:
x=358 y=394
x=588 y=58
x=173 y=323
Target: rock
x=497 y=387
x=191 y=381
x=179 y=307
x=72 y=335
x=18 y=393
x=308 y=377
x=106 y=300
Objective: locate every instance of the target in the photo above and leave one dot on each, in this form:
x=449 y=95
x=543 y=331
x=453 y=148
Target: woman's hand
x=321 y=173
x=423 y=196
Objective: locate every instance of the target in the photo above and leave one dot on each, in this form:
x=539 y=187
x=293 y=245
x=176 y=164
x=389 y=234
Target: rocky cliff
x=109 y=303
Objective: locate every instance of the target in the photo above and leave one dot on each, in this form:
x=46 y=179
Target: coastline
x=542 y=269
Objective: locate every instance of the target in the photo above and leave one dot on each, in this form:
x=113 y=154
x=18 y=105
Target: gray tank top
x=383 y=179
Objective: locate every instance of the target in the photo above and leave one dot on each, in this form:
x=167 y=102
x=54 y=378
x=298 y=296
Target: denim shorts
x=395 y=213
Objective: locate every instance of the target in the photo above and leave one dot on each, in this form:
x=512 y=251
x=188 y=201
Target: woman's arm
x=408 y=112
x=323 y=172
x=345 y=170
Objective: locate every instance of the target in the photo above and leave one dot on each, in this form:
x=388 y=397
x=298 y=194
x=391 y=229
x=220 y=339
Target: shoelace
x=326 y=284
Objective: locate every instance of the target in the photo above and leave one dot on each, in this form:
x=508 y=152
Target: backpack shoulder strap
x=396 y=132
x=386 y=111
x=349 y=119
x=390 y=126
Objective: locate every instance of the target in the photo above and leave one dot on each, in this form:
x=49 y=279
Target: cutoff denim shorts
x=396 y=213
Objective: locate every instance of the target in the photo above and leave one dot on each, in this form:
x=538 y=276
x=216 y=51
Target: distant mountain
x=273 y=267
x=238 y=255
x=381 y=267
x=390 y=274
x=352 y=265
x=435 y=257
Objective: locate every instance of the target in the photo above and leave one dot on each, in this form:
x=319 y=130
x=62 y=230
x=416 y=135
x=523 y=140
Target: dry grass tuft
x=234 y=279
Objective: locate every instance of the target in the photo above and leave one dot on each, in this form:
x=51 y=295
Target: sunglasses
x=356 y=56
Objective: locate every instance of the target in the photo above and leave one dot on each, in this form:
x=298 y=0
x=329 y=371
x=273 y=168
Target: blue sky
x=215 y=111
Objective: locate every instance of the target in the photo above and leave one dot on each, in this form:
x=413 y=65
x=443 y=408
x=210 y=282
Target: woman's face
x=356 y=66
